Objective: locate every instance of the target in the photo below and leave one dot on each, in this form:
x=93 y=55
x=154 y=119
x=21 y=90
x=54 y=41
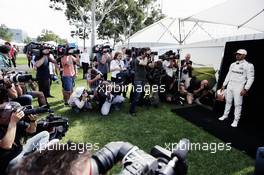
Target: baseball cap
x=242 y=51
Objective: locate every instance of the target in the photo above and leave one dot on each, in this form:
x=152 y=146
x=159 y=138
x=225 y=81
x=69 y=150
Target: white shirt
x=168 y=70
x=116 y=64
x=241 y=72
x=85 y=58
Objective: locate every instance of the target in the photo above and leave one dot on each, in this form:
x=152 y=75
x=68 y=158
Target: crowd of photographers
x=148 y=79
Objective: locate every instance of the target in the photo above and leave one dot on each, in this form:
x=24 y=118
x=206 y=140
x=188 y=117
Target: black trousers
x=85 y=68
x=44 y=86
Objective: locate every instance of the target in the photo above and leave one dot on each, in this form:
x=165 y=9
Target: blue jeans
x=24 y=100
x=138 y=90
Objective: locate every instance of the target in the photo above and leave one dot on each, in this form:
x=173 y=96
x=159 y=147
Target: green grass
x=21 y=59
x=152 y=126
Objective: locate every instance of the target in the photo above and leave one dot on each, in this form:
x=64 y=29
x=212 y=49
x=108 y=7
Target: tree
x=114 y=19
x=5 y=33
x=27 y=40
x=48 y=35
x=129 y=18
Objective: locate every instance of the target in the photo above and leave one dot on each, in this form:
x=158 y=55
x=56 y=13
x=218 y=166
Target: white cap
x=242 y=52
x=78 y=91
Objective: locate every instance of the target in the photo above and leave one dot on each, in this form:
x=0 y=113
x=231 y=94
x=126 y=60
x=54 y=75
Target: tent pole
x=250 y=19
x=179 y=63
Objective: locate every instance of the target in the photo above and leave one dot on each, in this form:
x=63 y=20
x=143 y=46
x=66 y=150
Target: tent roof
x=246 y=13
x=231 y=18
x=178 y=31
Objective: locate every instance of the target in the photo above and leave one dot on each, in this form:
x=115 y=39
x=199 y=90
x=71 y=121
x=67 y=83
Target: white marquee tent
x=205 y=34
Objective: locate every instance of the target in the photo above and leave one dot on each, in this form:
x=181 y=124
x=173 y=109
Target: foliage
x=115 y=19
x=27 y=40
x=48 y=35
x=5 y=33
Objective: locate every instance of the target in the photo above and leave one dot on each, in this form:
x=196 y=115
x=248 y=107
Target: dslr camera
x=7 y=109
x=15 y=77
x=137 y=162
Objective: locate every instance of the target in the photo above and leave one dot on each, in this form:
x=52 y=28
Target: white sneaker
x=197 y=101
x=234 y=124
x=223 y=118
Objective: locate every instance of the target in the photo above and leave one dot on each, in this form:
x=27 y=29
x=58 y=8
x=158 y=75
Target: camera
x=185 y=71
x=35 y=49
x=99 y=48
x=15 y=77
x=154 y=53
x=168 y=55
x=137 y=162
x=10 y=107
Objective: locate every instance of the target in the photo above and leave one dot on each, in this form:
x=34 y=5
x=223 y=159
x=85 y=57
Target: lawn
x=152 y=126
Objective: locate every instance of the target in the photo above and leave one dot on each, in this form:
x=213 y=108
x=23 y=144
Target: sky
x=34 y=15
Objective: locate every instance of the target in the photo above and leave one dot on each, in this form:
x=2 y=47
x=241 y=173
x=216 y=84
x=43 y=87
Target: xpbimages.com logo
x=199 y=146
x=81 y=147
x=139 y=88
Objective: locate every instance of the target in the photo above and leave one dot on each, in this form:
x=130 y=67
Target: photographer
x=198 y=91
x=140 y=64
x=80 y=100
x=29 y=89
x=156 y=77
x=93 y=78
x=85 y=61
x=43 y=73
x=171 y=67
x=13 y=92
x=186 y=70
x=107 y=97
x=103 y=59
x=68 y=62
x=116 y=66
x=4 y=57
x=12 y=130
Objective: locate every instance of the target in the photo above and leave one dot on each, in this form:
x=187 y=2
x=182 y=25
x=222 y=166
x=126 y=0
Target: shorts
x=68 y=83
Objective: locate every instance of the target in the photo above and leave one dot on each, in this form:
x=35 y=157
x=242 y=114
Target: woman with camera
x=79 y=100
x=116 y=66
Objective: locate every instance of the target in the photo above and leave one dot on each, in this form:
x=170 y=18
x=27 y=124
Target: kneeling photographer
x=80 y=100
x=108 y=95
x=15 y=125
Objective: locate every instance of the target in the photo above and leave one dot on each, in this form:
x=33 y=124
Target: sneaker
x=234 y=124
x=223 y=118
x=197 y=101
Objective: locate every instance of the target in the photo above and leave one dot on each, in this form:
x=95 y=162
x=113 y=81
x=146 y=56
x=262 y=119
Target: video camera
x=168 y=55
x=137 y=162
x=99 y=48
x=35 y=49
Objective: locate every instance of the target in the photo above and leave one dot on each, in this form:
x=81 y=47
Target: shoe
x=223 y=118
x=234 y=124
x=50 y=96
x=197 y=101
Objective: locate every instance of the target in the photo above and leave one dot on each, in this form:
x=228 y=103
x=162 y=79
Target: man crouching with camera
x=14 y=127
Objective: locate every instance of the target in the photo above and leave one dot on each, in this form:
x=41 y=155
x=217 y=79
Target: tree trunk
x=93 y=25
